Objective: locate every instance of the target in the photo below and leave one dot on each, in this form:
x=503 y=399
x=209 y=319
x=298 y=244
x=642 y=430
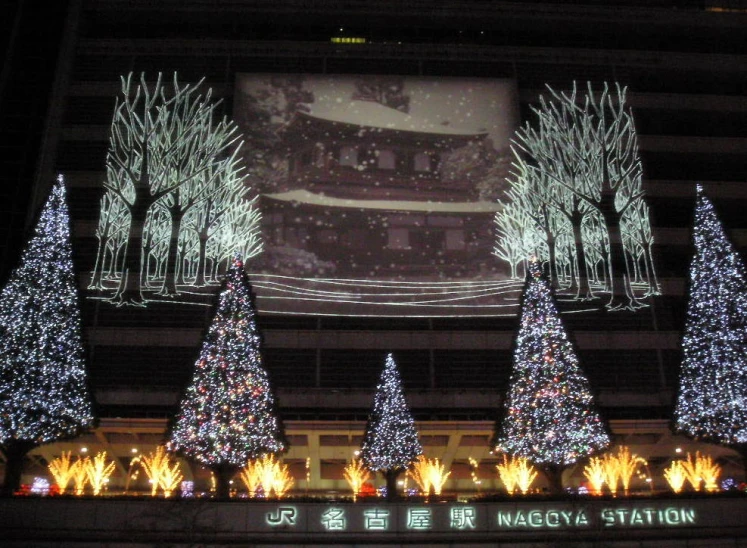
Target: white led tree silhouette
x=172 y=174
x=578 y=177
x=712 y=400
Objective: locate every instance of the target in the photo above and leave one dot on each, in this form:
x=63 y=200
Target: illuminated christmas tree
x=227 y=415
x=391 y=442
x=43 y=388
x=712 y=401
x=549 y=416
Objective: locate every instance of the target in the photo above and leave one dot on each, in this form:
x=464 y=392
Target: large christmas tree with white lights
x=227 y=415
x=549 y=415
x=44 y=395
x=712 y=400
x=391 y=442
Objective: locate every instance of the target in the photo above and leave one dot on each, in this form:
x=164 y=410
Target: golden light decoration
x=250 y=477
x=62 y=469
x=282 y=480
x=595 y=474
x=162 y=471
x=525 y=475
x=356 y=474
x=98 y=472
x=80 y=475
x=627 y=463
x=506 y=475
x=474 y=467
x=429 y=474
x=171 y=477
x=700 y=469
x=611 y=472
x=675 y=475
x=268 y=473
x=516 y=473
x=710 y=472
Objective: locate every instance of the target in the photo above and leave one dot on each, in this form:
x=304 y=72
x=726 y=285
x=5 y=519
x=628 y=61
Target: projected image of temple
x=367 y=192
x=385 y=184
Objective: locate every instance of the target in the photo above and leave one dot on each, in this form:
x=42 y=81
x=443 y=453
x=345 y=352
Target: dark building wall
x=687 y=76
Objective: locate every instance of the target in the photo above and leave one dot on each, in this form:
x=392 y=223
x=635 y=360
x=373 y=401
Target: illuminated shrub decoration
x=429 y=474
x=269 y=474
x=700 y=470
x=595 y=474
x=62 y=469
x=675 y=475
x=80 y=475
x=612 y=469
x=162 y=472
x=626 y=464
x=356 y=474
x=516 y=473
x=171 y=477
x=98 y=471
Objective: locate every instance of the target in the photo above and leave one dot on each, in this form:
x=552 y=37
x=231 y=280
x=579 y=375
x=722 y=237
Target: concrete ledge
x=74 y=521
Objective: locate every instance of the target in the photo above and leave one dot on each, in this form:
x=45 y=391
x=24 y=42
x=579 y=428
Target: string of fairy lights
x=43 y=385
x=549 y=411
x=227 y=414
x=391 y=440
x=712 y=401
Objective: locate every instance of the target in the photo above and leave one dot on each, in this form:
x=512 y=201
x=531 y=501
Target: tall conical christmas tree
x=391 y=442
x=549 y=416
x=227 y=415
x=712 y=400
x=44 y=395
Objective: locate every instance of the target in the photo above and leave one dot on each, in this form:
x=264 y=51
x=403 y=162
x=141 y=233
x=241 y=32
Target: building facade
x=686 y=76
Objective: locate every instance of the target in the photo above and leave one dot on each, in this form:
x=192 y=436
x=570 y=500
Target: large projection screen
x=378 y=193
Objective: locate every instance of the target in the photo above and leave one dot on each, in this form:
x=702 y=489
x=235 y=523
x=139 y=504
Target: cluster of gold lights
x=356 y=474
x=266 y=476
x=82 y=471
x=516 y=473
x=613 y=469
x=163 y=472
x=698 y=470
x=429 y=474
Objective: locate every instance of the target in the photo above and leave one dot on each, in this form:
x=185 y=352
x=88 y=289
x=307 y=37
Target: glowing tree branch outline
x=580 y=162
x=168 y=159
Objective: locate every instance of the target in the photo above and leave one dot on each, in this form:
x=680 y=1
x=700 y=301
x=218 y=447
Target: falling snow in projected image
x=378 y=193
x=373 y=196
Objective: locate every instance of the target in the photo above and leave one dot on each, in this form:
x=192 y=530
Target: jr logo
x=284 y=515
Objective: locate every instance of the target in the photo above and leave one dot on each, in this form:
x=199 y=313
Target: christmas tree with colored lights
x=227 y=415
x=391 y=442
x=44 y=395
x=712 y=400
x=549 y=414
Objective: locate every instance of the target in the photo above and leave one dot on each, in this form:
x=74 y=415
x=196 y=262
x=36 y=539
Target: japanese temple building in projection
x=366 y=192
